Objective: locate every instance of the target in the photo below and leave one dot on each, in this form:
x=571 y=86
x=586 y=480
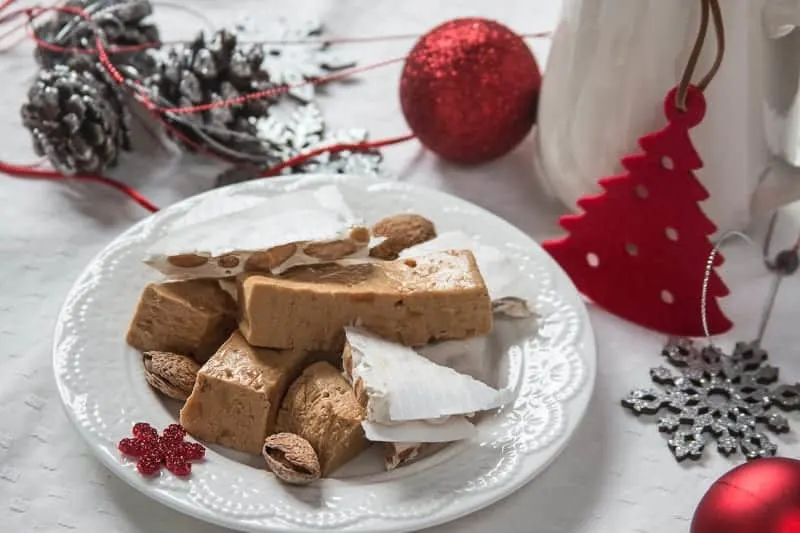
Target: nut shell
x=170 y=374
x=401 y=231
x=291 y=458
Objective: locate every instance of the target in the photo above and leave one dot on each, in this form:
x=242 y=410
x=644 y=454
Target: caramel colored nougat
x=321 y=407
x=237 y=394
x=185 y=317
x=411 y=301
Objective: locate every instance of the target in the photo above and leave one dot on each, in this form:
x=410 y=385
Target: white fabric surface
x=617 y=475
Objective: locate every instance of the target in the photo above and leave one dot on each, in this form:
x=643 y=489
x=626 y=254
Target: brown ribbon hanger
x=710 y=10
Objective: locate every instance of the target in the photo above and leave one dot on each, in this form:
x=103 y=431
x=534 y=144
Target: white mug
x=613 y=62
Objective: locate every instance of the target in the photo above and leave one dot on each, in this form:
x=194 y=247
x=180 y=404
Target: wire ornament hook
x=707 y=277
x=785 y=264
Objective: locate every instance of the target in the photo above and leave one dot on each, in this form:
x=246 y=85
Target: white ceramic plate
x=550 y=363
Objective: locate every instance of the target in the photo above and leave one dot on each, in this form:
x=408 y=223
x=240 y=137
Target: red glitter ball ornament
x=470 y=89
x=762 y=496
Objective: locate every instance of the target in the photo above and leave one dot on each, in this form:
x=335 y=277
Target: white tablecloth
x=617 y=475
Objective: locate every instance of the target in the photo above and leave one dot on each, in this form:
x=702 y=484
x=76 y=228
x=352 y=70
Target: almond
x=272 y=258
x=171 y=374
x=331 y=251
x=228 y=261
x=360 y=235
x=401 y=231
x=187 y=260
x=291 y=458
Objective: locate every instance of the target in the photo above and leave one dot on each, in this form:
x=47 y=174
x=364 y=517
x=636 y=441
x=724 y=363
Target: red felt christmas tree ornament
x=639 y=249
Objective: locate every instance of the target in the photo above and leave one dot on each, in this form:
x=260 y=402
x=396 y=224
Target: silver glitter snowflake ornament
x=304 y=132
x=717 y=396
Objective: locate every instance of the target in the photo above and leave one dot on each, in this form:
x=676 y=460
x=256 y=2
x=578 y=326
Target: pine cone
x=122 y=21
x=205 y=72
x=76 y=118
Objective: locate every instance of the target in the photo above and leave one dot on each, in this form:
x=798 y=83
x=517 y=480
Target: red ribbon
x=20 y=171
x=155 y=110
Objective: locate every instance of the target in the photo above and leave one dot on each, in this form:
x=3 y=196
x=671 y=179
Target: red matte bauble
x=469 y=90
x=762 y=496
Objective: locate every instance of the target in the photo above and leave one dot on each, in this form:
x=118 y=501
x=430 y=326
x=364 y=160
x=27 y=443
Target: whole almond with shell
x=170 y=374
x=400 y=232
x=291 y=458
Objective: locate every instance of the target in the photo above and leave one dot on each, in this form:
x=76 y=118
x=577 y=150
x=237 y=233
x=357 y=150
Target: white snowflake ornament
x=305 y=132
x=301 y=56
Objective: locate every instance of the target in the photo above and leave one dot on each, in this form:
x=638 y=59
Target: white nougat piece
x=328 y=198
x=498 y=270
x=215 y=241
x=452 y=429
x=470 y=356
x=402 y=385
x=215 y=207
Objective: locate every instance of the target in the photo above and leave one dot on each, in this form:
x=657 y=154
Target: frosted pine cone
x=123 y=22
x=205 y=72
x=76 y=119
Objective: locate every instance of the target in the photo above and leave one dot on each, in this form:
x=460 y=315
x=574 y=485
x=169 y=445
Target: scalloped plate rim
x=451 y=512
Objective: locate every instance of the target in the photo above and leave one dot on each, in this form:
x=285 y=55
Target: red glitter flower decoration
x=167 y=450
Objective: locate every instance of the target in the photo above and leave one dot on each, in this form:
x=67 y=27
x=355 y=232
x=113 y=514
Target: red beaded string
x=103 y=57
x=272 y=92
x=287 y=42
x=138 y=92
